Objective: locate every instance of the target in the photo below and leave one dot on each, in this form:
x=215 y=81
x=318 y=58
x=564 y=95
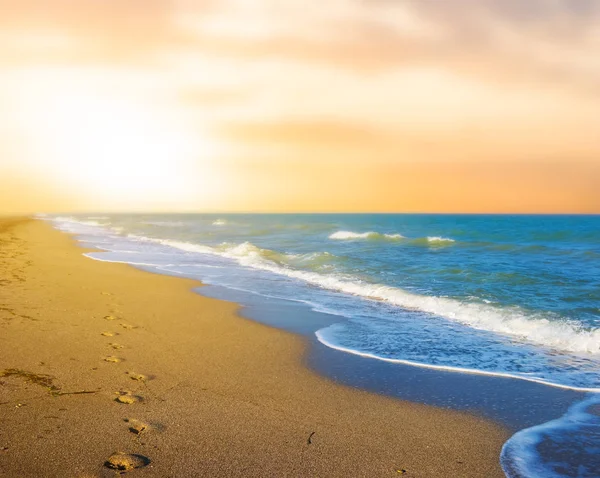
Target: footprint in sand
x=108 y=334
x=136 y=426
x=112 y=359
x=110 y=317
x=126 y=462
x=127 y=398
x=128 y=326
x=138 y=377
x=116 y=346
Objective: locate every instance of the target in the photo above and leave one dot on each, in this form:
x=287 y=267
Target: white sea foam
x=536 y=328
x=521 y=455
x=184 y=246
x=67 y=223
x=349 y=235
x=377 y=236
x=439 y=240
x=449 y=368
x=219 y=222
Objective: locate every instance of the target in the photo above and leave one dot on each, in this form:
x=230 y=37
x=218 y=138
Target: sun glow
x=118 y=150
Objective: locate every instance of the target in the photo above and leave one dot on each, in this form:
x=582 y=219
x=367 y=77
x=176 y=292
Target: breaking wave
x=349 y=235
x=377 y=236
x=535 y=327
x=440 y=240
x=567 y=446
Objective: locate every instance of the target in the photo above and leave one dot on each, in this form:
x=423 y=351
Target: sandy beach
x=99 y=358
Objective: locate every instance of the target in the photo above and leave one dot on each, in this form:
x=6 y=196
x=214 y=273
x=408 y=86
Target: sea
x=497 y=314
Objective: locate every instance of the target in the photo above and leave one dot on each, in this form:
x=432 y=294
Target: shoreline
x=492 y=396
x=224 y=395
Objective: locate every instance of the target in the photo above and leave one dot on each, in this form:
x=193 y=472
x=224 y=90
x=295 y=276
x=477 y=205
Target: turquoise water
x=515 y=296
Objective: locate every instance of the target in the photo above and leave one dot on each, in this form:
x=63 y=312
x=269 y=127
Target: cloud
x=115 y=31
x=537 y=41
x=523 y=42
x=333 y=134
x=554 y=40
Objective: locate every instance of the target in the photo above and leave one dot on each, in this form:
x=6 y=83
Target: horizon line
x=431 y=213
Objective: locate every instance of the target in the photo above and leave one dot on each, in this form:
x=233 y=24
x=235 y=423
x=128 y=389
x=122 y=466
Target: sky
x=296 y=106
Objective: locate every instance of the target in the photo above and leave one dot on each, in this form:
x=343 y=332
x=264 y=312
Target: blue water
x=514 y=296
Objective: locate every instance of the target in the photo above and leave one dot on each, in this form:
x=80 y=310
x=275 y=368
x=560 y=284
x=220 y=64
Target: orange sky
x=288 y=105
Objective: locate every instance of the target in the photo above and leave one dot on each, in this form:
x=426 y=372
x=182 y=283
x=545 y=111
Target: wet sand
x=103 y=366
